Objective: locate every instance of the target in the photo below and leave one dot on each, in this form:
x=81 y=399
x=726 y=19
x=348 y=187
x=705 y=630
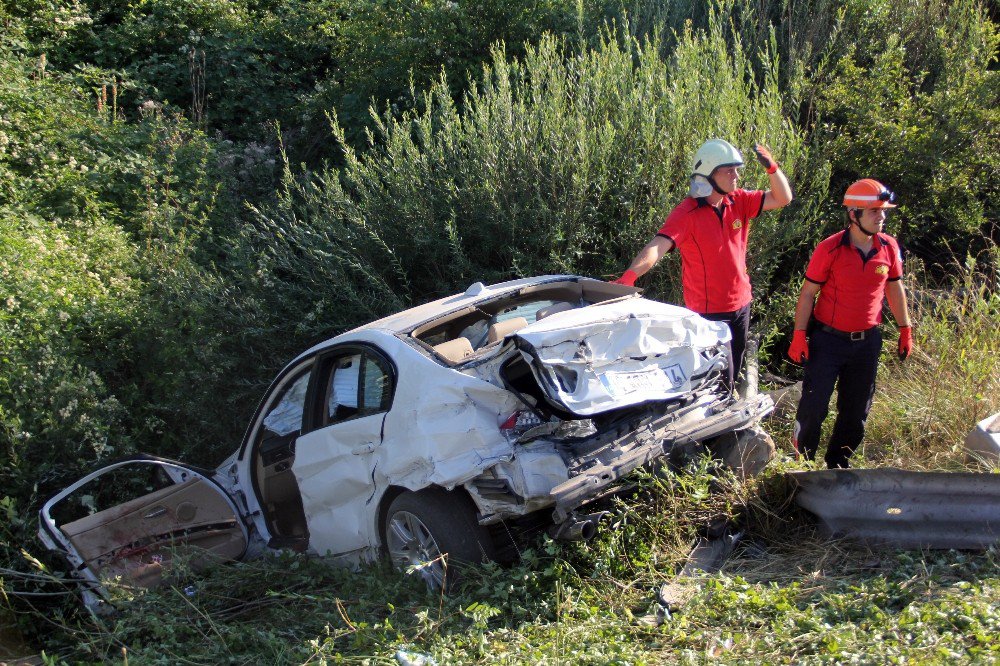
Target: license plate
x=624 y=383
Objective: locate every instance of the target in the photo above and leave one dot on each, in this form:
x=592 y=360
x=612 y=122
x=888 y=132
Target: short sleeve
x=749 y=203
x=818 y=270
x=896 y=267
x=675 y=226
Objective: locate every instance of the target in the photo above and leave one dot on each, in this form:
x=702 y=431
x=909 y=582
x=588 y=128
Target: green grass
x=785 y=597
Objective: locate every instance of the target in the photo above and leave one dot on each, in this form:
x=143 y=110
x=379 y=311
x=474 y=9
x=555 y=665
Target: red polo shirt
x=713 y=247
x=853 y=283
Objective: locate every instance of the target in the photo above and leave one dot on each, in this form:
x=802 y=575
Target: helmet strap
x=715 y=187
x=856 y=221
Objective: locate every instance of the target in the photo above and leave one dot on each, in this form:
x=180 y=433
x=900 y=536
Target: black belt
x=853 y=336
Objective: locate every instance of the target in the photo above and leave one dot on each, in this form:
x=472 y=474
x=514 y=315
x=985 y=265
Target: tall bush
x=111 y=313
x=918 y=107
x=560 y=162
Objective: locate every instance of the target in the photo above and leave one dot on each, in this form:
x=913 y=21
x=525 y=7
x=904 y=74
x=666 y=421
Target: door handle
x=155 y=513
x=363 y=449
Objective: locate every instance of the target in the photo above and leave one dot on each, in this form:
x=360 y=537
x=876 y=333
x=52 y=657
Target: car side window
x=285 y=417
x=377 y=389
x=342 y=389
x=358 y=384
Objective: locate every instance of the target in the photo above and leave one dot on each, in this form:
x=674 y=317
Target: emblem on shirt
x=737 y=224
x=881 y=269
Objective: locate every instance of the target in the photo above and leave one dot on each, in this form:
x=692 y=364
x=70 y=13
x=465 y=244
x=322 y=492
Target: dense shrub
x=561 y=162
x=68 y=291
x=918 y=107
x=238 y=66
x=111 y=315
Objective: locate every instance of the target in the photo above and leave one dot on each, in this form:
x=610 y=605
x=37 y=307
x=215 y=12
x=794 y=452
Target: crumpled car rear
x=608 y=356
x=607 y=387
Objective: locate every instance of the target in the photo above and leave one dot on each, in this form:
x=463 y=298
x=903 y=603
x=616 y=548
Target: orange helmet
x=869 y=193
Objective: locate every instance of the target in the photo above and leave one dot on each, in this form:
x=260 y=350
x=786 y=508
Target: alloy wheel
x=412 y=547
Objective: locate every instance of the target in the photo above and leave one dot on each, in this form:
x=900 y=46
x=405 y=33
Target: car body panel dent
x=613 y=355
x=416 y=446
x=335 y=511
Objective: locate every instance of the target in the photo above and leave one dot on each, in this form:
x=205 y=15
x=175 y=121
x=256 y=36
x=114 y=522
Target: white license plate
x=624 y=383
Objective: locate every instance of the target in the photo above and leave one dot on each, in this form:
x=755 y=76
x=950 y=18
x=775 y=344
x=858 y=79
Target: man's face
x=727 y=178
x=871 y=219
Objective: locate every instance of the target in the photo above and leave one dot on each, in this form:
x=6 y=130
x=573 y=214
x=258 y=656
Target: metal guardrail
x=905 y=509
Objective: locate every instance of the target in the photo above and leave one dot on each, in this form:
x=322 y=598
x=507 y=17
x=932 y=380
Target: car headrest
x=502 y=329
x=455 y=350
x=561 y=306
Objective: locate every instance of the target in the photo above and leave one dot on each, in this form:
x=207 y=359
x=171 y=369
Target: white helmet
x=713 y=154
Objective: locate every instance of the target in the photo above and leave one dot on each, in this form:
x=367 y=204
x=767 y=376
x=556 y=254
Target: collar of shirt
x=845 y=241
x=727 y=200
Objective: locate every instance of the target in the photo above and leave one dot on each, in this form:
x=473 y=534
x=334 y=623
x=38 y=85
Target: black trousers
x=852 y=366
x=739 y=325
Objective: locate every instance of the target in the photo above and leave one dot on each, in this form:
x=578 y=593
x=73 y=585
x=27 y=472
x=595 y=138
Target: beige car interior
x=274 y=453
x=455 y=351
x=502 y=329
x=280 y=497
x=138 y=540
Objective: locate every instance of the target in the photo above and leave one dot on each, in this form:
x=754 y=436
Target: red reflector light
x=511 y=421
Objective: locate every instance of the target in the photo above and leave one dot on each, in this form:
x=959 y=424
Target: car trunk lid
x=612 y=355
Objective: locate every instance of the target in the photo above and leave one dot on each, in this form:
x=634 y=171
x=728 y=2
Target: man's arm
x=780 y=194
x=799 y=349
x=896 y=295
x=804 y=308
x=646 y=259
x=649 y=255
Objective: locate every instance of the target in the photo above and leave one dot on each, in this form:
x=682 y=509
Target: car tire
x=435 y=534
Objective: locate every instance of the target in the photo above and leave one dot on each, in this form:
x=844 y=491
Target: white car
x=426 y=433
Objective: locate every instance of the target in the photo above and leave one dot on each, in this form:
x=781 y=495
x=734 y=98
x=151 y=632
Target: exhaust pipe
x=577 y=527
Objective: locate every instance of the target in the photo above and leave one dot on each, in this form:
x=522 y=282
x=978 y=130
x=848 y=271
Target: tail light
x=519 y=421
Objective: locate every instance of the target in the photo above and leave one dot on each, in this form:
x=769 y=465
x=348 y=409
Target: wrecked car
x=433 y=431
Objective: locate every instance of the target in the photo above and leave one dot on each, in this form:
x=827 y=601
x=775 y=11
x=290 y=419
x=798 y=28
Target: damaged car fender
x=411 y=442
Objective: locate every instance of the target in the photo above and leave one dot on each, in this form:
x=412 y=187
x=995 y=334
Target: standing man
x=709 y=228
x=851 y=271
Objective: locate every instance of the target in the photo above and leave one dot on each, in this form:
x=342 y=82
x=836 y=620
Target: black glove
x=765 y=159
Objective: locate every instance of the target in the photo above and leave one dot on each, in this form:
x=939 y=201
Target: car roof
x=407 y=320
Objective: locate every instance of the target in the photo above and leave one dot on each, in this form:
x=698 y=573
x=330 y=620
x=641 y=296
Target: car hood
x=613 y=355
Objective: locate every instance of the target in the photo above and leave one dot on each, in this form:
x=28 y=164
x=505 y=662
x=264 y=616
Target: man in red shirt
x=709 y=228
x=850 y=272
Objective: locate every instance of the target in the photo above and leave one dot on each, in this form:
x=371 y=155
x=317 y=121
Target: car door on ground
x=137 y=518
x=334 y=464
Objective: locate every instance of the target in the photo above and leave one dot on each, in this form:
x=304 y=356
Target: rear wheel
x=435 y=534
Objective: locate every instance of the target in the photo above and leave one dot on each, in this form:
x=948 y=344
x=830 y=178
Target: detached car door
x=352 y=392
x=136 y=519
